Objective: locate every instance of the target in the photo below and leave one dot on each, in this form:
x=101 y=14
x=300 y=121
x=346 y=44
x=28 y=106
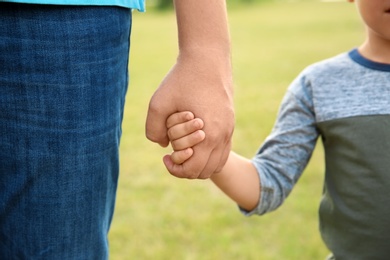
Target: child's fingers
x=183 y=129
x=188 y=140
x=179 y=157
x=178 y=118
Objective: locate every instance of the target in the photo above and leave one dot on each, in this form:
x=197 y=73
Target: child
x=346 y=101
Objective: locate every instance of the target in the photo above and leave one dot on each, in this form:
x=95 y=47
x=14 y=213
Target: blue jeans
x=63 y=80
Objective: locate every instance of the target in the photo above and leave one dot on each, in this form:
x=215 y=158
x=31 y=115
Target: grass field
x=160 y=217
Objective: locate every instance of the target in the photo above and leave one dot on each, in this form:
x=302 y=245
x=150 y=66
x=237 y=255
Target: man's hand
x=200 y=82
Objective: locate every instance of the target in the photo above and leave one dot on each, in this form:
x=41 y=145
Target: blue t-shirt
x=134 y=4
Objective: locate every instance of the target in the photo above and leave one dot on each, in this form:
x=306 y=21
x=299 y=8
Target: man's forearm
x=203 y=26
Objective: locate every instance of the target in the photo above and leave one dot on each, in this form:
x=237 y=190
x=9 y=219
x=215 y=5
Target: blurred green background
x=160 y=217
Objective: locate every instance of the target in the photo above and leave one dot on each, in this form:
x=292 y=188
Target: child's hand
x=184 y=132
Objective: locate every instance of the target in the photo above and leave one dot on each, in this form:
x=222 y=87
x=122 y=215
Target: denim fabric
x=63 y=79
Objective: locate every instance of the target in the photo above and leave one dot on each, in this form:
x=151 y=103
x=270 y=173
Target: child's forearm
x=240 y=181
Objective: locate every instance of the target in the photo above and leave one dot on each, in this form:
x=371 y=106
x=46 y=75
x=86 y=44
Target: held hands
x=200 y=84
x=184 y=132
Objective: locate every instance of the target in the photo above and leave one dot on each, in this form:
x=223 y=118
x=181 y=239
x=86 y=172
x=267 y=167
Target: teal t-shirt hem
x=133 y=4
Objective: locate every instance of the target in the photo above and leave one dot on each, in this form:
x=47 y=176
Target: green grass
x=160 y=217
